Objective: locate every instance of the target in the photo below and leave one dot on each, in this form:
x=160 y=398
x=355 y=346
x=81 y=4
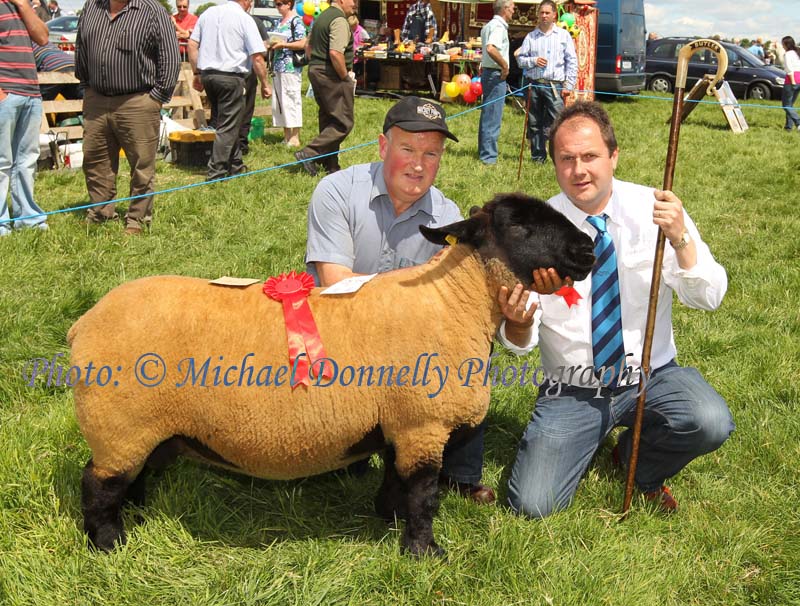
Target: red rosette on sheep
x=302 y=335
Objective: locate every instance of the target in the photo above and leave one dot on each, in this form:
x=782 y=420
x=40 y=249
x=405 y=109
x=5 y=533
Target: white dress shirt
x=564 y=334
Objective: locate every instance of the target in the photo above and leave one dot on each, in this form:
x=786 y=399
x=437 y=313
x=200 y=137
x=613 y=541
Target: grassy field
x=208 y=537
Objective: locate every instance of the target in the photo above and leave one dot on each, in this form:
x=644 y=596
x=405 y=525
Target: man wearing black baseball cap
x=365 y=219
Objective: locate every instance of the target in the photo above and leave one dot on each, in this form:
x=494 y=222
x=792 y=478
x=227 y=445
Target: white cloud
x=770 y=19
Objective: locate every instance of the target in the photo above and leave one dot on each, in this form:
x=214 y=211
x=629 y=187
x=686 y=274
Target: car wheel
x=660 y=84
x=759 y=91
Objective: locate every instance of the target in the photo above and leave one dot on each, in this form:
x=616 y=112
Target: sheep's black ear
x=470 y=231
x=474 y=211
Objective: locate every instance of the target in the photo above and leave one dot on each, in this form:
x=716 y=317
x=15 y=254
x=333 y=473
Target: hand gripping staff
x=669 y=171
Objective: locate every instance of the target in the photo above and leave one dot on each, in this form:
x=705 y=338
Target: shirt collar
x=501 y=20
x=612 y=209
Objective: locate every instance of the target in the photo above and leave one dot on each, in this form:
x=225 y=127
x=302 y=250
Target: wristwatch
x=683 y=242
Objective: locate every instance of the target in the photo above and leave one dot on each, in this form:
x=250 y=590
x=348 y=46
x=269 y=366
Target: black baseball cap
x=417 y=115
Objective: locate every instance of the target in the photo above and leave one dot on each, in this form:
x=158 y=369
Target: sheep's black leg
x=101 y=501
x=135 y=494
x=423 y=503
x=390 y=501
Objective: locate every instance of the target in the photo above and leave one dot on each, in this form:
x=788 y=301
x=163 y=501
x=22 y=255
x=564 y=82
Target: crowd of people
x=128 y=56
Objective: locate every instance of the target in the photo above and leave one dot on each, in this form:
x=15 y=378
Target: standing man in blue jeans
x=494 y=71
x=585 y=347
x=20 y=113
x=551 y=66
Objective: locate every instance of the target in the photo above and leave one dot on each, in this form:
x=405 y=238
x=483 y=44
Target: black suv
x=748 y=76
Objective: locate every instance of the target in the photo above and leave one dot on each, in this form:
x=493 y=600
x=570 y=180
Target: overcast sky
x=771 y=19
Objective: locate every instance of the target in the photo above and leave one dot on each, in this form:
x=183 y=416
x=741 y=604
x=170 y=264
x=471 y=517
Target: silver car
x=63 y=32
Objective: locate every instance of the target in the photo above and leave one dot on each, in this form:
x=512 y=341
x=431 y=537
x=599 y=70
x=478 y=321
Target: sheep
x=446 y=309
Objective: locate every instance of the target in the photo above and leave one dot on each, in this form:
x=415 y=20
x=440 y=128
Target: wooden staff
x=524 y=128
x=669 y=171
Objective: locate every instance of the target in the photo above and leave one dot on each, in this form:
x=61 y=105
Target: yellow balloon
x=323 y=6
x=309 y=8
x=452 y=89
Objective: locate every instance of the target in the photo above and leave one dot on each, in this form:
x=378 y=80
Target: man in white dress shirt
x=684 y=416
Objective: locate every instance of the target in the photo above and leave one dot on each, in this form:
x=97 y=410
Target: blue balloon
x=298 y=6
x=476 y=79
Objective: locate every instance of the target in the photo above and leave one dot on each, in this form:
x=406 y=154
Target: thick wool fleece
x=447 y=306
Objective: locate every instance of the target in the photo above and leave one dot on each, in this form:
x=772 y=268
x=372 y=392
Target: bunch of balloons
x=309 y=11
x=461 y=84
x=567 y=21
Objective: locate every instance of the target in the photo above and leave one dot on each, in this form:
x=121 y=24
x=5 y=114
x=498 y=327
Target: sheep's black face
x=526 y=234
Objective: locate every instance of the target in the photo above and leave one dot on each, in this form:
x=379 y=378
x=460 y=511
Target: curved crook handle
x=687 y=51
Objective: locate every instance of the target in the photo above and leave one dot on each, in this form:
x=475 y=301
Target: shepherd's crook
x=669 y=171
x=524 y=128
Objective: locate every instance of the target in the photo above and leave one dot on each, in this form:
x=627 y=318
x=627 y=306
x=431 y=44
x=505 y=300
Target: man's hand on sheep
x=518 y=309
x=547 y=281
x=514 y=305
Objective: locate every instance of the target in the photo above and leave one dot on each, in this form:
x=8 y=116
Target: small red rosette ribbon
x=571 y=296
x=292 y=290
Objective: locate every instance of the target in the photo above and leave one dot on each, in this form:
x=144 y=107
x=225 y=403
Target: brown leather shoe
x=663 y=498
x=133 y=231
x=478 y=493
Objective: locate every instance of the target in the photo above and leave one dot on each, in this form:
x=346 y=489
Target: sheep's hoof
x=106 y=539
x=418 y=549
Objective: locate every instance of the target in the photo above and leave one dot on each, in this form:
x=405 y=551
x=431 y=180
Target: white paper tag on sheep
x=348 y=285
x=228 y=281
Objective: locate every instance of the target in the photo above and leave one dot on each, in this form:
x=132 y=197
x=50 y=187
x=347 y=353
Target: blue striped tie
x=607 y=345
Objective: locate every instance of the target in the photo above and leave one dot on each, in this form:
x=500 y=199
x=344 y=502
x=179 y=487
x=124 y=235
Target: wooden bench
x=186 y=106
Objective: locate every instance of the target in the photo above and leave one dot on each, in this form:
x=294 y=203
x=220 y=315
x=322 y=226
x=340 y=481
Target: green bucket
x=256 y=129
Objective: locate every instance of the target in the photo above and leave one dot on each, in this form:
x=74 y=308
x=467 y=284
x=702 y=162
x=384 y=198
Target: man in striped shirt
x=49 y=58
x=551 y=66
x=20 y=113
x=127 y=57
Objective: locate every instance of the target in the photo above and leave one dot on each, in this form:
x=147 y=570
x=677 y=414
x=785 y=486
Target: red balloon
x=470 y=97
x=476 y=88
x=307 y=19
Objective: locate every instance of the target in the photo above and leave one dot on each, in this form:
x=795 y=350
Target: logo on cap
x=429 y=111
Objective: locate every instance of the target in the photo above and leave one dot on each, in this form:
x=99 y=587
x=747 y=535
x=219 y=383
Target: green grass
x=208 y=537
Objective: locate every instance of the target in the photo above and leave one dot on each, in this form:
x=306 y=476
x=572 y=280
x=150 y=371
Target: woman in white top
x=791 y=88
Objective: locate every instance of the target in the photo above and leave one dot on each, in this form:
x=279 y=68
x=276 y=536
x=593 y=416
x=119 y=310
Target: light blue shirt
x=757 y=50
x=351 y=222
x=495 y=33
x=227 y=37
x=558 y=48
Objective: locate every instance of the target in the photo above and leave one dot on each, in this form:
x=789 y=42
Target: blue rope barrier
x=360 y=145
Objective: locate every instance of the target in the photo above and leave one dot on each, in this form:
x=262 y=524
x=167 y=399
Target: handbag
x=299 y=58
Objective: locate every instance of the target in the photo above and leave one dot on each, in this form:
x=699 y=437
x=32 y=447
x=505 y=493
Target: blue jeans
x=491 y=115
x=788 y=97
x=545 y=105
x=684 y=418
x=20 y=118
